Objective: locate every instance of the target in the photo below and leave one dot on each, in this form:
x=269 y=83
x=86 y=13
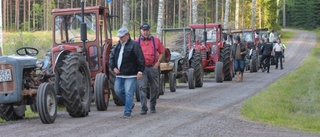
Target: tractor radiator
x=6 y=85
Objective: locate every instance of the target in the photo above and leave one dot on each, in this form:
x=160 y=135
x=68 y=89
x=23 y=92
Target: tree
x=126 y=13
x=253 y=18
x=160 y=19
x=1 y=45
x=236 y=22
x=194 y=11
x=226 y=15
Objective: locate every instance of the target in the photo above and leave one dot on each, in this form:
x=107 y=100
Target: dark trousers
x=278 y=56
x=266 y=62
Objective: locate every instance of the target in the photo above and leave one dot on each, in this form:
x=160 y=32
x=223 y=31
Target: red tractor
x=80 y=57
x=250 y=38
x=206 y=41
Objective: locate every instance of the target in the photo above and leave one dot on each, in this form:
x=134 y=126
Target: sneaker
x=143 y=112
x=153 y=111
x=126 y=116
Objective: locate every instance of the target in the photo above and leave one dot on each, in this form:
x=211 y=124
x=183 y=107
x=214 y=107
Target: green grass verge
x=292 y=101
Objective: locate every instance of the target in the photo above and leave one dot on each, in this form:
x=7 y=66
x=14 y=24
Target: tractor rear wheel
x=75 y=85
x=10 y=112
x=227 y=63
x=218 y=72
x=191 y=78
x=172 y=81
x=47 y=103
x=198 y=69
x=254 y=62
x=101 y=92
x=112 y=78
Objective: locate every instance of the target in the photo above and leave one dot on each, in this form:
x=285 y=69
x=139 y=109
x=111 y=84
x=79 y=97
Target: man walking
x=127 y=62
x=238 y=54
x=266 y=55
x=278 y=50
x=153 y=51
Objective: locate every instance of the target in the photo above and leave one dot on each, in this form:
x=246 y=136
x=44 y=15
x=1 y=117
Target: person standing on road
x=272 y=39
x=266 y=55
x=278 y=50
x=238 y=53
x=153 y=51
x=127 y=62
x=260 y=46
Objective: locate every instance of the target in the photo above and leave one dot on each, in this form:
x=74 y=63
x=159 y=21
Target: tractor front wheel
x=101 y=92
x=46 y=103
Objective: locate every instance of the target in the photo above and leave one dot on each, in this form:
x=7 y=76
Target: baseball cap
x=122 y=32
x=145 y=26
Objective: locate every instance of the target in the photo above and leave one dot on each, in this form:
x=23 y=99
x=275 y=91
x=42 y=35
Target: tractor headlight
x=214 y=49
x=39 y=63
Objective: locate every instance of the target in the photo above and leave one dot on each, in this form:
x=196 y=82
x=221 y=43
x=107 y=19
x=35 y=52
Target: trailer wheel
x=101 y=92
x=172 y=81
x=191 y=79
x=46 y=103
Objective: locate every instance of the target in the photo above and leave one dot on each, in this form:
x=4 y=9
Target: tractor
x=74 y=69
x=250 y=39
x=206 y=42
x=181 y=65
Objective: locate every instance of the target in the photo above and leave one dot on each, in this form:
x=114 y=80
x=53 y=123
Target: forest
x=35 y=15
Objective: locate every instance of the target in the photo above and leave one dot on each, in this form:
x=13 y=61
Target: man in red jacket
x=153 y=51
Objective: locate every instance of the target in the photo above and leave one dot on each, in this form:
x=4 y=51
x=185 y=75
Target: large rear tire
x=101 y=92
x=191 y=78
x=116 y=99
x=227 y=63
x=76 y=85
x=254 y=62
x=10 y=112
x=47 y=103
x=198 y=69
x=218 y=72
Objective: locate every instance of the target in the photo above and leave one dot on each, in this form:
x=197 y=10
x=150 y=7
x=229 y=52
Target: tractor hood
x=176 y=56
x=23 y=61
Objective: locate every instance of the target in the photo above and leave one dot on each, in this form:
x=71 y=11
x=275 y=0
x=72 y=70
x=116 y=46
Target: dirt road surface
x=213 y=110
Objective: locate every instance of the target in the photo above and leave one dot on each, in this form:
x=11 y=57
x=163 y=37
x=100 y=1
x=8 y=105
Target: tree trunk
x=29 y=5
x=179 y=18
x=33 y=17
x=160 y=19
x=217 y=7
x=141 y=12
x=4 y=15
x=17 y=15
x=24 y=15
x=194 y=11
x=1 y=45
x=236 y=22
x=253 y=19
x=226 y=15
x=126 y=13
x=284 y=14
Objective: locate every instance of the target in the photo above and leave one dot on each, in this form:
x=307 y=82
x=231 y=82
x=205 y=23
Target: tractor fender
x=58 y=62
x=190 y=53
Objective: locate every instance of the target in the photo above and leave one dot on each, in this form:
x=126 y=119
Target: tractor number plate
x=5 y=75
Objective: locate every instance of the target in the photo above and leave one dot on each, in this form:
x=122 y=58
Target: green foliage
x=39 y=40
x=292 y=101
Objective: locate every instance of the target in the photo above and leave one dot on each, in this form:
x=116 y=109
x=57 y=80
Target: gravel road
x=213 y=110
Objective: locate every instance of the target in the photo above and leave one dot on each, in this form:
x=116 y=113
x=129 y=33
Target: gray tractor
x=24 y=81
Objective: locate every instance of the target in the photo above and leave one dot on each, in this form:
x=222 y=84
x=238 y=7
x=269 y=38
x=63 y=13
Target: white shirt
x=271 y=38
x=277 y=47
x=121 y=55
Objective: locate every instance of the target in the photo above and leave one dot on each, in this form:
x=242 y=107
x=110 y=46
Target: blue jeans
x=125 y=89
x=238 y=65
x=149 y=82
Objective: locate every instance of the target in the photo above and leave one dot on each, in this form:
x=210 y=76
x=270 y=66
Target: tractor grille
x=7 y=86
x=204 y=55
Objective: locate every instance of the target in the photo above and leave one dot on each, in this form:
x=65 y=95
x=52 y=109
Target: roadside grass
x=292 y=101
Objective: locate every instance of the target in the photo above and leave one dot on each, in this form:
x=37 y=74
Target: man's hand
x=139 y=75
x=115 y=70
x=231 y=59
x=156 y=65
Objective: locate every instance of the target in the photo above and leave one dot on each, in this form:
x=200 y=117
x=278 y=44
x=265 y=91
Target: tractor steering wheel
x=23 y=51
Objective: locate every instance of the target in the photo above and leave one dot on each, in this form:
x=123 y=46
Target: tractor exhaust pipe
x=83 y=29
